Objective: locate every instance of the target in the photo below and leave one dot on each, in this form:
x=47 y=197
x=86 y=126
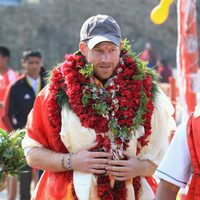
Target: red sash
x=193 y=136
x=52 y=186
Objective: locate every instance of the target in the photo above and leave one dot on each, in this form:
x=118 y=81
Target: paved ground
x=3 y=195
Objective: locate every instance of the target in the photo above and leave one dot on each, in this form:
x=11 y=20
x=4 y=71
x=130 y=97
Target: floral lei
x=108 y=110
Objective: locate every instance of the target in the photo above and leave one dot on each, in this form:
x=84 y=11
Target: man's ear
x=83 y=48
x=120 y=45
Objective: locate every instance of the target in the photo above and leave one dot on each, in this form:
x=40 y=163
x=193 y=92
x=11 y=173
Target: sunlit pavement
x=3 y=195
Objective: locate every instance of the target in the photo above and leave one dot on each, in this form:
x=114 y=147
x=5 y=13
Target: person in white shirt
x=180 y=164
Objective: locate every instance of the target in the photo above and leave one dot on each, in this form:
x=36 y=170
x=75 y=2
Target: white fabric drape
x=75 y=137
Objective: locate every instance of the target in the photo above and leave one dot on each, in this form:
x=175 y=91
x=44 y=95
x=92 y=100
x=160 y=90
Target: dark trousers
x=25 y=179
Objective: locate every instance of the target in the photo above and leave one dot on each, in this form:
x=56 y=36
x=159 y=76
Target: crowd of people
x=99 y=129
x=160 y=65
x=18 y=93
x=154 y=60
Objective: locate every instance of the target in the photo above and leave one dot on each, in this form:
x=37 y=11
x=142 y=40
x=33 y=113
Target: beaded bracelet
x=69 y=160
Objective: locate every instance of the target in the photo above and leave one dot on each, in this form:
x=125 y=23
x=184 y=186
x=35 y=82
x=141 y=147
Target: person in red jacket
x=7 y=78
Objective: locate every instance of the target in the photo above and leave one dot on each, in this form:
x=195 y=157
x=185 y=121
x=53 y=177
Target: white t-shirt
x=176 y=165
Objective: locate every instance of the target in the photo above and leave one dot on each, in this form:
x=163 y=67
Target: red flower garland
x=67 y=77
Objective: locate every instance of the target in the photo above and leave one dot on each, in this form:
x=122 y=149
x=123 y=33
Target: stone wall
x=53 y=26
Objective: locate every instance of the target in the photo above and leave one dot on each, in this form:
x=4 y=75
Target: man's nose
x=105 y=57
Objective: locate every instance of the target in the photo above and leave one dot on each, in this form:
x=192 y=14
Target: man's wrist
x=69 y=161
x=66 y=162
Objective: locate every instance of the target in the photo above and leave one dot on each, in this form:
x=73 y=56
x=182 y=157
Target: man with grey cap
x=99 y=129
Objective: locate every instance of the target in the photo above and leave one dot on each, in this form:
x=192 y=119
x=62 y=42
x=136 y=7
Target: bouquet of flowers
x=12 y=157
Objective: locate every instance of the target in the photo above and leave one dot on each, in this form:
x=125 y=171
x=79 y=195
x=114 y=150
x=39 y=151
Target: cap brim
x=103 y=38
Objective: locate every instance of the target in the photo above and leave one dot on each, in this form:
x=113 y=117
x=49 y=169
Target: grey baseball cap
x=100 y=28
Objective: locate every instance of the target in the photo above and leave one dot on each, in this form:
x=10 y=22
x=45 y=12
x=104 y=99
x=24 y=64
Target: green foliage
x=126 y=45
x=117 y=131
x=87 y=71
x=113 y=127
x=100 y=108
x=137 y=121
x=124 y=134
x=12 y=157
x=62 y=99
x=86 y=97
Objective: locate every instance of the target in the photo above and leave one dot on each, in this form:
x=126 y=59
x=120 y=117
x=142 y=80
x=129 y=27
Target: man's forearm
x=45 y=159
x=85 y=160
x=147 y=168
x=166 y=191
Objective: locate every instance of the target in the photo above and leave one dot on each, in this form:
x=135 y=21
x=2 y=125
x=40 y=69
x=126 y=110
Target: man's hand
x=122 y=170
x=90 y=162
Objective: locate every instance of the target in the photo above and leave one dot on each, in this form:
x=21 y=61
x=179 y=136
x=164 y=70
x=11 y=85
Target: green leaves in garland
x=62 y=99
x=142 y=67
x=87 y=71
x=137 y=121
x=119 y=132
x=100 y=108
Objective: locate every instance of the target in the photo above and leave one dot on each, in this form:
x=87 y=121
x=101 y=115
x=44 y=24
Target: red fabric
x=187 y=50
x=193 y=131
x=5 y=82
x=5 y=117
x=40 y=129
x=152 y=182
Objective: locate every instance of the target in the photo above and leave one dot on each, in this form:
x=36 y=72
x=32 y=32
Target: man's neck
x=32 y=77
x=102 y=81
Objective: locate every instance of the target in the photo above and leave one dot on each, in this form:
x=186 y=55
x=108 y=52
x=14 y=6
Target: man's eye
x=99 y=50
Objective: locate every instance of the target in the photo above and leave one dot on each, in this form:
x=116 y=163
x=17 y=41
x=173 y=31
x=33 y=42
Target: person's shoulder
x=18 y=84
x=181 y=133
x=162 y=101
x=44 y=93
x=43 y=99
x=10 y=70
x=20 y=80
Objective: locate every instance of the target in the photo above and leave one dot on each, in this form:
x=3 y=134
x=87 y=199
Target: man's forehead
x=105 y=43
x=32 y=59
